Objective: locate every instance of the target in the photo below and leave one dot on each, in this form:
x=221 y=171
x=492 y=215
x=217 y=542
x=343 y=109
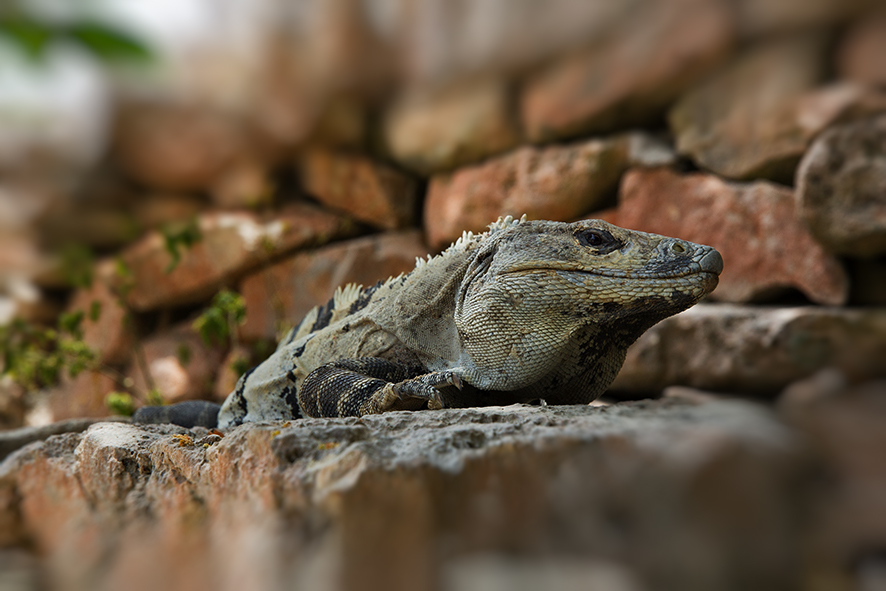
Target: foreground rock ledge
x=664 y=495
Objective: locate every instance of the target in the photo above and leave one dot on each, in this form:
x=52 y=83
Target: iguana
x=527 y=311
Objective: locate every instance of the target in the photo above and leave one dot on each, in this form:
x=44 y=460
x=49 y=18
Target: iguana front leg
x=369 y=385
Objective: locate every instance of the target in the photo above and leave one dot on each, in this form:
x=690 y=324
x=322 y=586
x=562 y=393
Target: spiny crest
x=503 y=223
x=468 y=237
x=346 y=295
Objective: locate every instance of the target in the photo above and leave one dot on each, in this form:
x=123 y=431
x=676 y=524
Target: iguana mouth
x=635 y=275
x=709 y=262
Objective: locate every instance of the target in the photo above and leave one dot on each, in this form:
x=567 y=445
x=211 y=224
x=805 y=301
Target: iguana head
x=535 y=284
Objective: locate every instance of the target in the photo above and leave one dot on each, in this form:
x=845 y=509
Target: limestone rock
x=630 y=77
x=651 y=488
x=430 y=132
x=12 y=404
x=743 y=121
x=230 y=245
x=860 y=54
x=754 y=349
x=755 y=226
x=156 y=210
x=369 y=191
x=230 y=370
x=278 y=297
x=106 y=325
x=844 y=423
x=21 y=298
x=553 y=183
x=181 y=147
x=245 y=185
x=841 y=188
x=758 y=18
x=445 y=41
x=81 y=396
x=868 y=279
x=180 y=364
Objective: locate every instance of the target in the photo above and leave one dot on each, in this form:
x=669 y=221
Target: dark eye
x=592 y=238
x=600 y=240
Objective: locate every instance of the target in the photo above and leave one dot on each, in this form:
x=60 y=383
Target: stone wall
x=307 y=145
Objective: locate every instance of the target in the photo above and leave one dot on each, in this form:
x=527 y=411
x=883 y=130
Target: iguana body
x=528 y=310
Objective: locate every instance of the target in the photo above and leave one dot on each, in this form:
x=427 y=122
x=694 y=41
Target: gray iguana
x=528 y=310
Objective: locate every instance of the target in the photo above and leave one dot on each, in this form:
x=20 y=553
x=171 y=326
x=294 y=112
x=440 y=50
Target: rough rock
x=12 y=404
x=675 y=496
x=553 y=183
x=430 y=132
x=279 y=296
x=845 y=424
x=156 y=210
x=445 y=41
x=860 y=53
x=755 y=226
x=230 y=245
x=230 y=371
x=181 y=147
x=868 y=279
x=97 y=226
x=21 y=298
x=841 y=188
x=744 y=121
x=369 y=191
x=759 y=18
x=12 y=440
x=244 y=185
x=754 y=349
x=106 y=324
x=632 y=76
x=180 y=364
x=81 y=396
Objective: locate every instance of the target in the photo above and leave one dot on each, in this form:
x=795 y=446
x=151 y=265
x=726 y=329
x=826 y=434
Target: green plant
x=35 y=356
x=77 y=262
x=120 y=403
x=178 y=237
x=33 y=35
x=219 y=321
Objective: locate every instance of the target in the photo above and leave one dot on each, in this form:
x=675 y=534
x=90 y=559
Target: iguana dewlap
x=528 y=310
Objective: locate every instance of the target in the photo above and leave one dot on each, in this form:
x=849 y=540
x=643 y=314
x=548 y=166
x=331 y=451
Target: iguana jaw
x=706 y=261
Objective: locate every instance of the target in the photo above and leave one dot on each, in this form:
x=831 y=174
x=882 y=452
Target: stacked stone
x=336 y=144
x=745 y=128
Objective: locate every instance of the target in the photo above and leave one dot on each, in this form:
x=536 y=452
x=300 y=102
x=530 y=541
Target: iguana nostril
x=678 y=248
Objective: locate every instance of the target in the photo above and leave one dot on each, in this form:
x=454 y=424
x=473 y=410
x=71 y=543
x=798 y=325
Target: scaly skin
x=528 y=310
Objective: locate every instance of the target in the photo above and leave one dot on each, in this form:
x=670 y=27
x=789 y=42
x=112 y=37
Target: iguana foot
x=427 y=387
x=356 y=387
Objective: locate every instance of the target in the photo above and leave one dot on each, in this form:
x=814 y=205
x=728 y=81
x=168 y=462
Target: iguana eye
x=592 y=238
x=600 y=240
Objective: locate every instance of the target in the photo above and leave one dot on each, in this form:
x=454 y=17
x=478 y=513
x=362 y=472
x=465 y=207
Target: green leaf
x=108 y=43
x=29 y=36
x=175 y=238
x=95 y=310
x=120 y=403
x=183 y=353
x=70 y=322
x=155 y=398
x=221 y=318
x=77 y=263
